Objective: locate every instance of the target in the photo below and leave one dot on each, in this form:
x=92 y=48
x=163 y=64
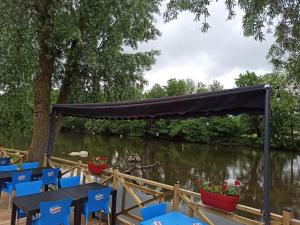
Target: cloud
x=220 y=54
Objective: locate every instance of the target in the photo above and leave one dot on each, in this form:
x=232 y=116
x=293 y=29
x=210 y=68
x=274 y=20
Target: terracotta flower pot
x=219 y=201
x=96 y=169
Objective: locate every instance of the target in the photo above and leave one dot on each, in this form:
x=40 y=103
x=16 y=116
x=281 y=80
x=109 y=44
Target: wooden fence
x=131 y=186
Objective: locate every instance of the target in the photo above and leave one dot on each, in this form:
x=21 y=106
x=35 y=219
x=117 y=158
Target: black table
x=6 y=176
x=30 y=203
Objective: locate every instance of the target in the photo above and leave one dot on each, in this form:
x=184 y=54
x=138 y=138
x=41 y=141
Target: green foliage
x=228 y=129
x=156 y=91
x=284 y=109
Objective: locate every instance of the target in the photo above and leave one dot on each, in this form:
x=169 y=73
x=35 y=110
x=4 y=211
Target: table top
x=6 y=175
x=173 y=218
x=77 y=193
x=81 y=191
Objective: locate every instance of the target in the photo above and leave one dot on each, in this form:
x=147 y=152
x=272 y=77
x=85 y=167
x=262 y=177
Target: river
x=184 y=162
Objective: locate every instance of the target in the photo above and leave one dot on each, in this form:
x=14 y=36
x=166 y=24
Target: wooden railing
x=132 y=186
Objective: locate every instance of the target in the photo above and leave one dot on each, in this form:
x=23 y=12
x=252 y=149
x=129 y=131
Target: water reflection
x=185 y=161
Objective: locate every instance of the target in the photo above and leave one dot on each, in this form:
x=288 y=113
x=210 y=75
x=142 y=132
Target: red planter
x=96 y=169
x=219 y=201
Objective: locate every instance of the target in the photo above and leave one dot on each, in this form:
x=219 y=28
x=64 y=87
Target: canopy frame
x=266 y=119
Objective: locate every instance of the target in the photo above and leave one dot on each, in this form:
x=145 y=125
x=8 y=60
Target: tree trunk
x=42 y=91
x=65 y=89
x=63 y=96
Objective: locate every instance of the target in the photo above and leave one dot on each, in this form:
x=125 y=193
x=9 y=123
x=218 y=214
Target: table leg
x=29 y=218
x=77 y=213
x=13 y=214
x=113 y=207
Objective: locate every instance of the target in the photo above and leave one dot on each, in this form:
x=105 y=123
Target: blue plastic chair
x=50 y=176
x=98 y=200
x=4 y=161
x=155 y=210
x=30 y=165
x=9 y=168
x=54 y=213
x=27 y=188
x=17 y=177
x=69 y=182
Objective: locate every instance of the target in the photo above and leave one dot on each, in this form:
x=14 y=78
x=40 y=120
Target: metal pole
x=266 y=212
x=51 y=138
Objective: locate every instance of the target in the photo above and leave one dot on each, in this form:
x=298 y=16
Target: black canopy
x=248 y=100
x=251 y=100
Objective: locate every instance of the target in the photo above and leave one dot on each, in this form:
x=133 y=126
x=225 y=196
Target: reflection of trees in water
x=183 y=162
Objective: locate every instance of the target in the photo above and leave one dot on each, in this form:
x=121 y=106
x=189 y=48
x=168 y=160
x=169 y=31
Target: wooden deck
x=5 y=214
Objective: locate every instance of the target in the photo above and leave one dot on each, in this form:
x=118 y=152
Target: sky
x=220 y=54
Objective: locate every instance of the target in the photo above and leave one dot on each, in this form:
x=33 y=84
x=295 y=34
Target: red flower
x=225 y=186
x=197 y=182
x=237 y=183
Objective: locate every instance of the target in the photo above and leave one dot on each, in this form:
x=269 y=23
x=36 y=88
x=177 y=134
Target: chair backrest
x=154 y=210
x=30 y=165
x=49 y=176
x=28 y=188
x=69 y=182
x=9 y=168
x=21 y=177
x=55 y=212
x=4 y=161
x=99 y=200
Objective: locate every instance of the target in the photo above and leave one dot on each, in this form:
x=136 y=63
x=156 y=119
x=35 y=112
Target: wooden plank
x=106 y=179
x=245 y=220
x=123 y=221
x=144 y=189
x=135 y=197
x=295 y=222
x=196 y=210
x=150 y=182
x=176 y=197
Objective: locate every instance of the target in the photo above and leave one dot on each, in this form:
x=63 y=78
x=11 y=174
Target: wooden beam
x=132 y=216
x=176 y=197
x=135 y=197
x=106 y=179
x=144 y=189
x=150 y=182
x=196 y=210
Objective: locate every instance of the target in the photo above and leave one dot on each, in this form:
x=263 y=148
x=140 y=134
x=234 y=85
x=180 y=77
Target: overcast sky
x=220 y=54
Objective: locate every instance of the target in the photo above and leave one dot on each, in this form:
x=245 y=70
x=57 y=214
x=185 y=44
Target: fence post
x=176 y=196
x=115 y=180
x=190 y=209
x=287 y=215
x=45 y=160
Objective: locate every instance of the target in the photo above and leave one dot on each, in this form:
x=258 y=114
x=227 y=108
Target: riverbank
x=184 y=162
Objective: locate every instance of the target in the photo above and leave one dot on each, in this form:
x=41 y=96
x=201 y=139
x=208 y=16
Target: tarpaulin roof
x=249 y=100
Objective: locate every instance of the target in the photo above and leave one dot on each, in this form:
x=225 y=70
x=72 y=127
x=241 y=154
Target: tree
x=156 y=91
x=63 y=43
x=280 y=17
x=284 y=109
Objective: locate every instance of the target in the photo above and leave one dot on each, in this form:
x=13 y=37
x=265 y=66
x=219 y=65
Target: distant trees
x=243 y=129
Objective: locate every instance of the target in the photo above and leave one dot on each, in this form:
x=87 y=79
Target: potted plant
x=97 y=165
x=224 y=197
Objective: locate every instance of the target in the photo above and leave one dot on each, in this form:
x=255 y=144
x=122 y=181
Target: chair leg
x=100 y=214
x=86 y=221
x=9 y=201
x=108 y=219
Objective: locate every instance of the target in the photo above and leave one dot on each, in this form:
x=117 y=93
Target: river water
x=184 y=162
